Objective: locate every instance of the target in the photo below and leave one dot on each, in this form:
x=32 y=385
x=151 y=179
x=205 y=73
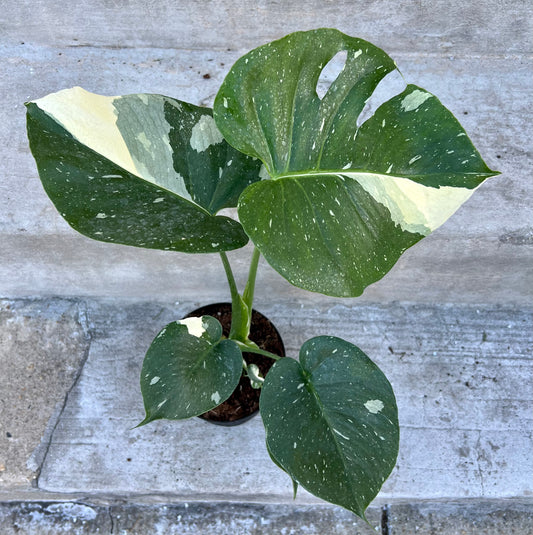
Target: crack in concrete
x=111 y=520
x=479 y=469
x=385 y=529
x=39 y=459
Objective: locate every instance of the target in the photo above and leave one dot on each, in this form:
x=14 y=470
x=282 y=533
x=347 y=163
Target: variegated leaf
x=345 y=201
x=143 y=170
x=189 y=369
x=331 y=422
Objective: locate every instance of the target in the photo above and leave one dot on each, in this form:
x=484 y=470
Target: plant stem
x=241 y=306
x=239 y=315
x=248 y=295
x=235 y=297
x=254 y=349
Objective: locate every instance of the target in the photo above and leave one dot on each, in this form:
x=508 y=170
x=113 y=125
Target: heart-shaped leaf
x=331 y=422
x=143 y=170
x=189 y=369
x=345 y=201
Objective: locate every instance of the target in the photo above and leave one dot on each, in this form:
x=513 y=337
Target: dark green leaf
x=189 y=369
x=345 y=201
x=331 y=422
x=142 y=170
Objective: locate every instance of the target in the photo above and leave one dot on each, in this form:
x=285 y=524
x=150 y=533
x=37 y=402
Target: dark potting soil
x=244 y=401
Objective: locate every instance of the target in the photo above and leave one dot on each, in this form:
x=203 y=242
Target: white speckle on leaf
x=215 y=397
x=374 y=405
x=414 y=159
x=162 y=403
x=357 y=54
x=154 y=380
x=225 y=102
x=159 y=199
x=340 y=434
x=101 y=215
x=413 y=100
x=205 y=133
x=195 y=326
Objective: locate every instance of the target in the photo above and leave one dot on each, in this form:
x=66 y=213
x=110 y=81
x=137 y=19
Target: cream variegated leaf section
x=412 y=206
x=92 y=120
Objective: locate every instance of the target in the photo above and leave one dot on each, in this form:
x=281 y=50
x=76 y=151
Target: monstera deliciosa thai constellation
x=329 y=203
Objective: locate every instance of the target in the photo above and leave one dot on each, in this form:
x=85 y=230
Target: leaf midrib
x=348 y=172
x=330 y=427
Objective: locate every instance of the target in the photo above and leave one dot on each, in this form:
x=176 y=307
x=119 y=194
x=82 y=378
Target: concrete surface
x=438 y=26
x=82 y=515
x=451 y=325
x=42 y=348
x=491 y=234
x=499 y=517
x=461 y=376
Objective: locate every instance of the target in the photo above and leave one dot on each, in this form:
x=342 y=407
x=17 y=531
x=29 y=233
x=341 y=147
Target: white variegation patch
x=205 y=133
x=92 y=120
x=413 y=100
x=374 y=406
x=263 y=173
x=412 y=206
x=195 y=326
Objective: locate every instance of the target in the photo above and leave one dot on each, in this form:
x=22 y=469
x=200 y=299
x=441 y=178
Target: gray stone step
x=110 y=516
x=461 y=374
x=483 y=254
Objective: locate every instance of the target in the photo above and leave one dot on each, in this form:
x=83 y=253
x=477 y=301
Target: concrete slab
x=492 y=234
x=498 y=517
x=481 y=27
x=167 y=518
x=462 y=377
x=104 y=515
x=43 y=345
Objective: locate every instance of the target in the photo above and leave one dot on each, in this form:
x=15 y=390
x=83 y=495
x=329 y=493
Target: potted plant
x=331 y=205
